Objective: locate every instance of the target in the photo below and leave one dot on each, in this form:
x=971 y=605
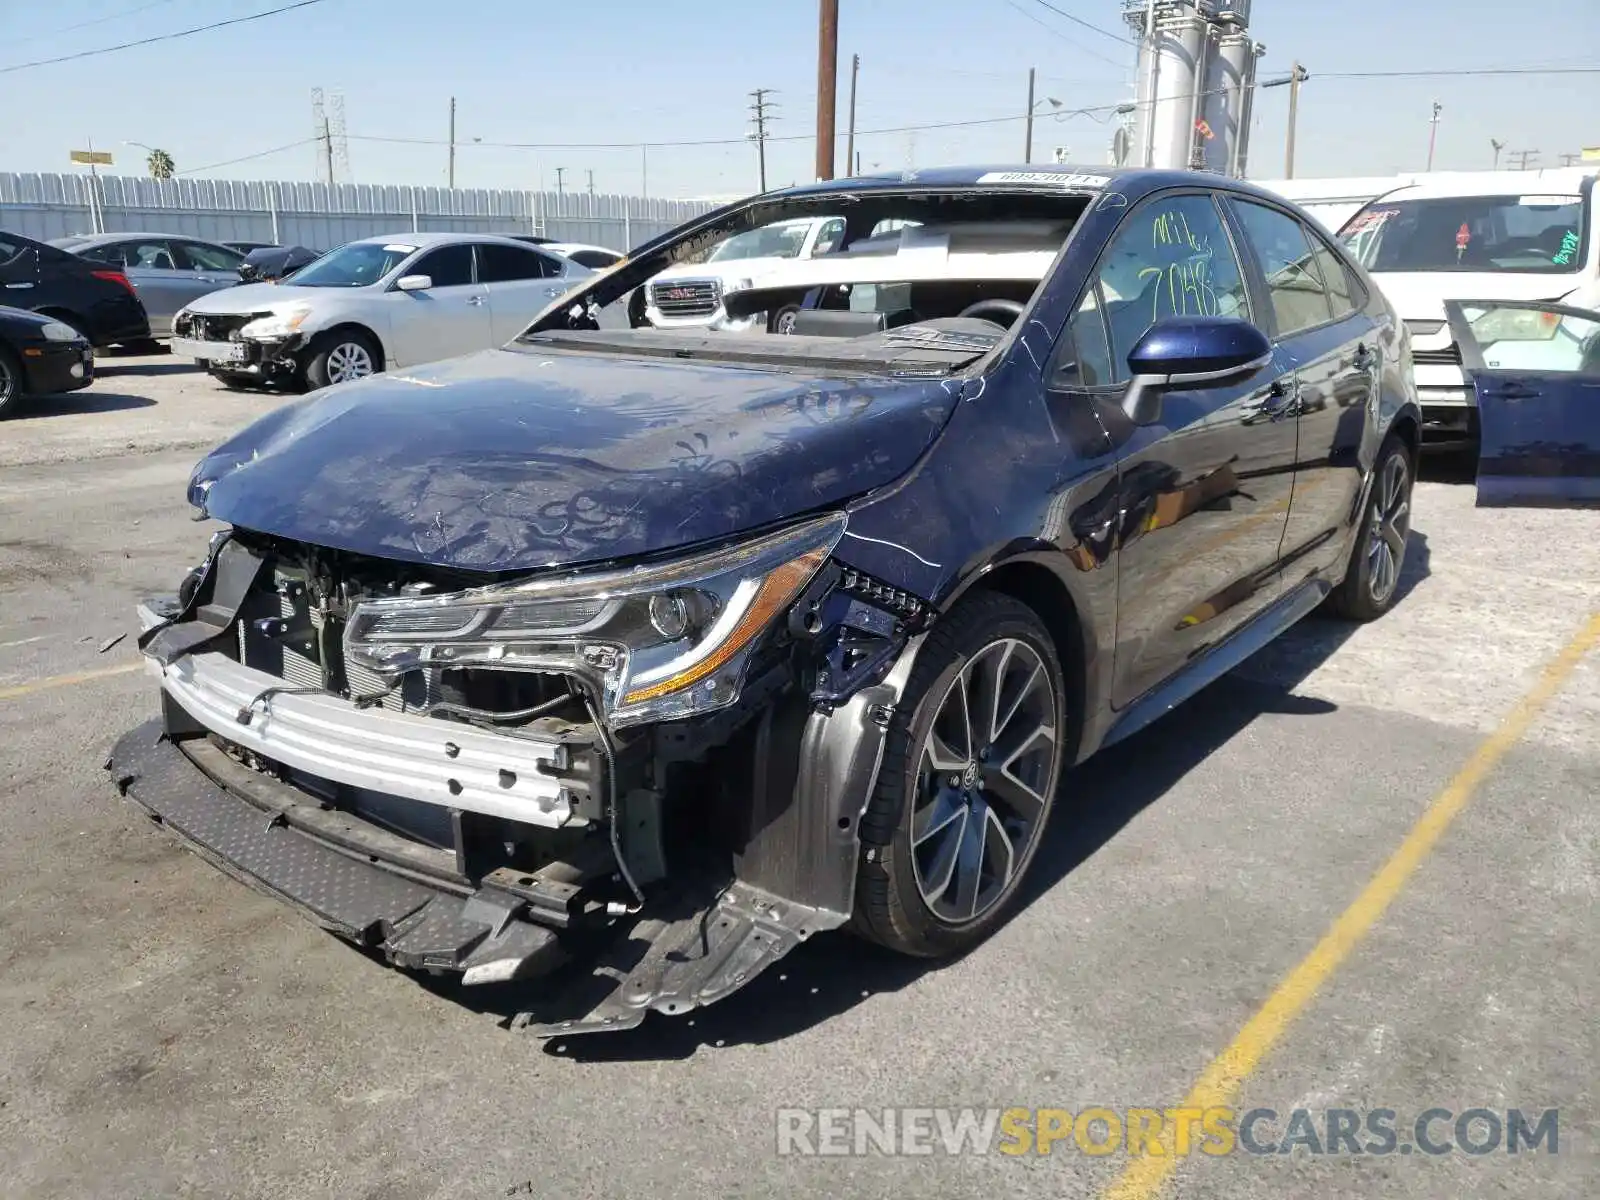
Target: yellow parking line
x=55 y=681
x=1219 y=1083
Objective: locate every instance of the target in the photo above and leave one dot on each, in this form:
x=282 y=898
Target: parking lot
x=164 y=1031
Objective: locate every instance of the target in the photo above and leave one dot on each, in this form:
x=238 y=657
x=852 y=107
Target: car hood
x=1420 y=295
x=524 y=458
x=258 y=297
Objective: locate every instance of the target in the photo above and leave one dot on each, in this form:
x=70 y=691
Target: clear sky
x=629 y=71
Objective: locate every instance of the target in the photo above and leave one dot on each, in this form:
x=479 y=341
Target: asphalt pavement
x=166 y=1031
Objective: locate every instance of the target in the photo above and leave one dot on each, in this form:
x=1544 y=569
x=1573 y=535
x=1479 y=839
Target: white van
x=1491 y=235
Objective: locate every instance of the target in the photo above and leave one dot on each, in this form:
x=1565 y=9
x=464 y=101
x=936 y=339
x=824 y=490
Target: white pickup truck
x=690 y=295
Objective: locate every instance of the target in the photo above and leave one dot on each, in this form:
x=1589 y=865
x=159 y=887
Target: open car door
x=1535 y=367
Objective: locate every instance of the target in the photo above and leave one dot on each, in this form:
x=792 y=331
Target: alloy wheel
x=9 y=383
x=1387 y=529
x=987 y=764
x=347 y=361
x=785 y=322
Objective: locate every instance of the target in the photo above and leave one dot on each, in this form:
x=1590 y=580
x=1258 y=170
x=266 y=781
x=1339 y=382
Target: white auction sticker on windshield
x=398 y=249
x=1547 y=201
x=1055 y=178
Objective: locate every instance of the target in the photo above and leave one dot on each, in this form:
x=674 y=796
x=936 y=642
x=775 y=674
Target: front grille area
x=297 y=654
x=212 y=327
x=686 y=297
x=1450 y=356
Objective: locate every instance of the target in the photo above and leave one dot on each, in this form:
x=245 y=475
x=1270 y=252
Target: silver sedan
x=372 y=305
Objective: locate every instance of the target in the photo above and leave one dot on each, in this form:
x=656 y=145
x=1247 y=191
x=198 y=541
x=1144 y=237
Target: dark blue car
x=634 y=657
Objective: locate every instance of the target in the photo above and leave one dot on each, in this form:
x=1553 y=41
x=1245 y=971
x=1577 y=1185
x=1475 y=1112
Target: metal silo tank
x=1226 y=79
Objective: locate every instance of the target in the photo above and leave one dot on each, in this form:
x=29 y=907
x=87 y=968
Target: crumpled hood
x=258 y=297
x=519 y=459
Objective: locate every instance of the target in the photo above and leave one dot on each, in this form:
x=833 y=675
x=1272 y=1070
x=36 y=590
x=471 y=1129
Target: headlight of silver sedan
x=663 y=641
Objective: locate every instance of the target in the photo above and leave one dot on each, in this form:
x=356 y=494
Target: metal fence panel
x=321 y=215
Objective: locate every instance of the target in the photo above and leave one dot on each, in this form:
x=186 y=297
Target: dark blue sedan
x=664 y=650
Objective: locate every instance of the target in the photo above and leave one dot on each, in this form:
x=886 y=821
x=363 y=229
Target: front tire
x=342 y=355
x=968 y=779
x=783 y=320
x=10 y=383
x=1372 y=579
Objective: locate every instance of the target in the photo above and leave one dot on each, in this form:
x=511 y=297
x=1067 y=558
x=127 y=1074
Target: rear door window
x=1299 y=300
x=596 y=260
x=150 y=255
x=503 y=264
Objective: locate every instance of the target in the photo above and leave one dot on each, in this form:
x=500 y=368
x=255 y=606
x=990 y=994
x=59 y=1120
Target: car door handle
x=474 y=300
x=19 y=285
x=1366 y=358
x=1513 y=391
x=1283 y=399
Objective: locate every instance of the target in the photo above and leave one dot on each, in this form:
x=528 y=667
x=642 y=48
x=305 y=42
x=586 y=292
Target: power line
x=1080 y=21
x=1076 y=45
x=116 y=16
x=248 y=157
x=162 y=37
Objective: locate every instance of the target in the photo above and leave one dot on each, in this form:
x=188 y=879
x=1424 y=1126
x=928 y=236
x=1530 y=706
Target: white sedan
x=374 y=305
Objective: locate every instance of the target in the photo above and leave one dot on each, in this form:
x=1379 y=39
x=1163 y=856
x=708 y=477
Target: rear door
x=1535 y=368
x=1331 y=345
x=519 y=282
x=152 y=267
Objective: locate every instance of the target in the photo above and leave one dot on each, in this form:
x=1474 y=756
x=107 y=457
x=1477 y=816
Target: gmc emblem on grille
x=678 y=293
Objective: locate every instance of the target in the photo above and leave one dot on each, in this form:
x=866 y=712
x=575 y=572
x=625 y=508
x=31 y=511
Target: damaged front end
x=654 y=772
x=264 y=345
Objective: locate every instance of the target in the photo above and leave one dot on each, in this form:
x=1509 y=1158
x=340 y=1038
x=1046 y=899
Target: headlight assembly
x=279 y=324
x=658 y=642
x=58 y=331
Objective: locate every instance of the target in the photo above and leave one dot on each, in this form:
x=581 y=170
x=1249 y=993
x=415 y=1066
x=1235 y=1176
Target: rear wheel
x=1372 y=580
x=340 y=356
x=10 y=382
x=968 y=778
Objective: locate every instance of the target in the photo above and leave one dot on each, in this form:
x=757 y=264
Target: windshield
x=1540 y=234
x=355 y=265
x=775 y=241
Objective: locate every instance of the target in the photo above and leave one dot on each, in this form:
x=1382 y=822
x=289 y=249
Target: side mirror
x=414 y=283
x=1190 y=352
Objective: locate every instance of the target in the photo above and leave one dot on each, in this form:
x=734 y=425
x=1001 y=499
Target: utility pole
x=560 y=171
x=1568 y=160
x=827 y=83
x=758 y=111
x=1522 y=157
x=1027 y=149
x=1497 y=145
x=452 y=173
x=591 y=183
x=850 y=165
x=1433 y=132
x=644 y=170
x=1296 y=76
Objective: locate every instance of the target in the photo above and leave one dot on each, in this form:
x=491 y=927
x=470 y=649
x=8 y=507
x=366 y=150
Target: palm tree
x=161 y=164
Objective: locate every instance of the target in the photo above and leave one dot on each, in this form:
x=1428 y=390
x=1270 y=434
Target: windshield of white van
x=1542 y=234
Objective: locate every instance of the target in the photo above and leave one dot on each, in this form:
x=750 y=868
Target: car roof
x=1550 y=181
x=100 y=239
x=570 y=247
x=435 y=238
